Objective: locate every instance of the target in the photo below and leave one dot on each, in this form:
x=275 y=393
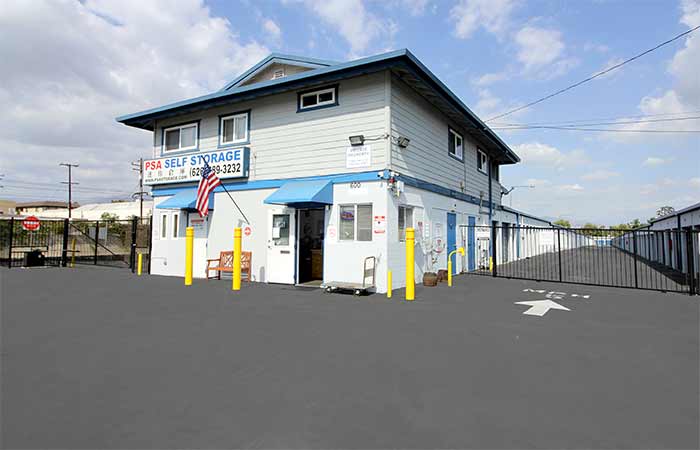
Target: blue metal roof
x=186 y=199
x=231 y=92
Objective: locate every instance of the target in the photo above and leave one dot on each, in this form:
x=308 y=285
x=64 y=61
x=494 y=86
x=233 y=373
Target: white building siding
x=427 y=156
x=287 y=144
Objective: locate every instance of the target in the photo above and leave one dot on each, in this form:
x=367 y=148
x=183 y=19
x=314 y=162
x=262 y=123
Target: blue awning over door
x=184 y=200
x=303 y=194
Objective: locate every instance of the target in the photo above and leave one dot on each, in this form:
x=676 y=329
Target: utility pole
x=70 y=184
x=138 y=166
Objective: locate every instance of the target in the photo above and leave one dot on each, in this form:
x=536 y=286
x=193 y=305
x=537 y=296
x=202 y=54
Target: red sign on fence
x=31 y=223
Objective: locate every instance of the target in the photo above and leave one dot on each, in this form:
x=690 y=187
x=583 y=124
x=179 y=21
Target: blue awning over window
x=184 y=200
x=303 y=193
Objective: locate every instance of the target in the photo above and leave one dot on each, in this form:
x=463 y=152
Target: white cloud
x=537 y=182
x=653 y=161
x=537 y=154
x=492 y=15
x=272 y=29
x=415 y=7
x=541 y=52
x=488 y=79
x=685 y=93
x=351 y=19
x=694 y=182
x=571 y=187
x=70 y=68
x=597 y=175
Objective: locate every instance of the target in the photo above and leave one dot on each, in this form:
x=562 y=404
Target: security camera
x=380 y=174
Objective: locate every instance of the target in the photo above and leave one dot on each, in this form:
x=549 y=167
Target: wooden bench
x=224 y=263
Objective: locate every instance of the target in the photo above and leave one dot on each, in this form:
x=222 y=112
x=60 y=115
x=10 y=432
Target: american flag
x=207 y=184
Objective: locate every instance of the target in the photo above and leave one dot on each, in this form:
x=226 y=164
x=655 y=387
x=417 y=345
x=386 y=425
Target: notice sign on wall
x=232 y=163
x=358 y=156
x=379 y=224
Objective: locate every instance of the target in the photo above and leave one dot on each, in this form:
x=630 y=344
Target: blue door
x=471 y=244
x=452 y=238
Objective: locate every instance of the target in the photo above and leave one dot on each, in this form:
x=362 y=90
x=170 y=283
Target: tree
x=665 y=211
x=562 y=223
x=592 y=229
x=635 y=224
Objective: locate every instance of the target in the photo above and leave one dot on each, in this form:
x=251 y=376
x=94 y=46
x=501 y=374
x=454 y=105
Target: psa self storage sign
x=231 y=163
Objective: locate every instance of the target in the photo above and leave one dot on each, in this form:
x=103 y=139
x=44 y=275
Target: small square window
x=181 y=137
x=234 y=129
x=405 y=221
x=481 y=161
x=456 y=144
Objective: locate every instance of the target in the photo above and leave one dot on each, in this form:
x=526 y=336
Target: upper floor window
x=233 y=129
x=456 y=145
x=318 y=98
x=181 y=137
x=481 y=161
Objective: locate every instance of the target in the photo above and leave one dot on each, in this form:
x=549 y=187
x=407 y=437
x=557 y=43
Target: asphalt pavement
x=98 y=358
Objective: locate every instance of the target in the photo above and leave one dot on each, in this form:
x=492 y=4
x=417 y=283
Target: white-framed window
x=233 y=129
x=405 y=221
x=482 y=161
x=455 y=144
x=355 y=223
x=164 y=226
x=176 y=225
x=318 y=98
x=181 y=137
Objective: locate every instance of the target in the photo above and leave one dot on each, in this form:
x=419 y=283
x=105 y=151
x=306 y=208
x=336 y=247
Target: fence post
x=12 y=232
x=494 y=258
x=132 y=254
x=97 y=238
x=690 y=250
x=150 y=243
x=64 y=253
x=634 y=247
x=559 y=251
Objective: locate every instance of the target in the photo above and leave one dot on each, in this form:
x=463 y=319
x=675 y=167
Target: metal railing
x=666 y=260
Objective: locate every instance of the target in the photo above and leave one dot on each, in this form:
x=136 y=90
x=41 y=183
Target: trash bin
x=34 y=258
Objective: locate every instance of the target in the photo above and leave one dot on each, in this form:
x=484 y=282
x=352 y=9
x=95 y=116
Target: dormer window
x=279 y=73
x=320 y=98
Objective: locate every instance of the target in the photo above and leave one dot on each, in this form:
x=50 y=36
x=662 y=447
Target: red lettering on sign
x=31 y=223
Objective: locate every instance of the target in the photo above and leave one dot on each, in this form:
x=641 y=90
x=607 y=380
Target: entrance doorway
x=311 y=229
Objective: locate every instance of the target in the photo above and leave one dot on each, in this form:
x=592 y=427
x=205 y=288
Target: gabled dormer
x=277 y=66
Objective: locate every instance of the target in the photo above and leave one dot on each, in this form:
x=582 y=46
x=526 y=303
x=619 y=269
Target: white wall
x=287 y=144
x=426 y=157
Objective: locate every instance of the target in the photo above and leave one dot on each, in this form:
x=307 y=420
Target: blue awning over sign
x=303 y=193
x=184 y=200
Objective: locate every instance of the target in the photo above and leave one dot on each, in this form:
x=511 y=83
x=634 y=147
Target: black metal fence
x=667 y=260
x=63 y=242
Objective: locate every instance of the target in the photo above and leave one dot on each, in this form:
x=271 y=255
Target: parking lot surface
x=98 y=358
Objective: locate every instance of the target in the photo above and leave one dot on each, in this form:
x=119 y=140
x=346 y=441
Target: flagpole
x=234 y=202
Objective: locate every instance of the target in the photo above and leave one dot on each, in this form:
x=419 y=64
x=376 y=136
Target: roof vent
x=279 y=73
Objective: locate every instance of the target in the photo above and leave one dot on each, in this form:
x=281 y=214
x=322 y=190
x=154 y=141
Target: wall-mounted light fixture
x=357 y=140
x=402 y=141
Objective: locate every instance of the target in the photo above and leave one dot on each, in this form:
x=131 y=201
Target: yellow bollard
x=140 y=264
x=189 y=251
x=460 y=250
x=72 y=258
x=388 y=284
x=236 y=259
x=410 y=264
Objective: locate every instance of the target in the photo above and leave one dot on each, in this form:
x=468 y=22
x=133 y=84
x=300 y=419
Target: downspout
x=491 y=255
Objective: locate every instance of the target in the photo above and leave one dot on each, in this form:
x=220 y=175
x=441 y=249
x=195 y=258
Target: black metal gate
x=662 y=260
x=63 y=242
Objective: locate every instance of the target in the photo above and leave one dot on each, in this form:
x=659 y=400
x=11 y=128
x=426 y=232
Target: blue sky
x=495 y=54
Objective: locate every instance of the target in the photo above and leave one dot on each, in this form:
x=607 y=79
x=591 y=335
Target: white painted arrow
x=540 y=307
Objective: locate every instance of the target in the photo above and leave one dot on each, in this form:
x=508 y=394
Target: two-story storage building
x=330 y=163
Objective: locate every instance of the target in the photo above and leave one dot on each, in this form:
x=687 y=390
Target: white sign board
x=358 y=156
x=230 y=163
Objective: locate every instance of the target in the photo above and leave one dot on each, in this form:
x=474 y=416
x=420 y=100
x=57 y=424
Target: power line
x=544 y=127
x=70 y=184
x=580 y=124
x=576 y=121
x=594 y=76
